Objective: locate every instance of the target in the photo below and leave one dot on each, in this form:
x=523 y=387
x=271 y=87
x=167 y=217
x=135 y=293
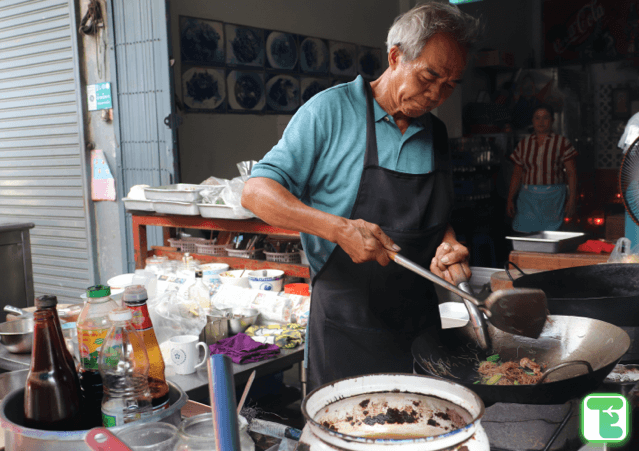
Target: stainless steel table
x=195 y=385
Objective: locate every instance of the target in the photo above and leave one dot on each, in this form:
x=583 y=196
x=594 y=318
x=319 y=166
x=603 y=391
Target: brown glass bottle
x=52 y=392
x=135 y=298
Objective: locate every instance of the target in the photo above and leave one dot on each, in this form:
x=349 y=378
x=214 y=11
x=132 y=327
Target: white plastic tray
x=138 y=204
x=181 y=192
x=176 y=208
x=549 y=242
x=220 y=212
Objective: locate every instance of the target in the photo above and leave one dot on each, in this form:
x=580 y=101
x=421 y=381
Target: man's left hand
x=448 y=253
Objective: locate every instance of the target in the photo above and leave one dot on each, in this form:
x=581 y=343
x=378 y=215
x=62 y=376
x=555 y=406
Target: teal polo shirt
x=321 y=155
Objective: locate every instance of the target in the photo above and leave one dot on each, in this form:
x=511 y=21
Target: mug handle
x=206 y=354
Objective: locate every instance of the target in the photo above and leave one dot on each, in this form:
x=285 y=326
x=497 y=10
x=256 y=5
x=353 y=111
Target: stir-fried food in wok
x=493 y=371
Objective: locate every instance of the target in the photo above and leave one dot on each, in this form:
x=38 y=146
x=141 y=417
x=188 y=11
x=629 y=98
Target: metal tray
x=176 y=208
x=181 y=192
x=220 y=212
x=548 y=242
x=138 y=204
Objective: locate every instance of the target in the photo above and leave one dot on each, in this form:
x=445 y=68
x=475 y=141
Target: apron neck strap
x=370 y=159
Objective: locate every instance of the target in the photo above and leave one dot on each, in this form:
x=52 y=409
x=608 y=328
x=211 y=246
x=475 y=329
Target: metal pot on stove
x=399 y=412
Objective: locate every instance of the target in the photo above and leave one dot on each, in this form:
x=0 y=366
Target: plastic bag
x=232 y=196
x=623 y=253
x=174 y=315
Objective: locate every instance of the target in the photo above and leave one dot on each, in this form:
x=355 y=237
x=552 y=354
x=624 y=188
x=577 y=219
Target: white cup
x=185 y=354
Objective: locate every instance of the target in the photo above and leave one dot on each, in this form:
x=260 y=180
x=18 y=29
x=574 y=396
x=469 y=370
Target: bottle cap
x=120 y=315
x=45 y=301
x=135 y=294
x=98 y=291
x=198 y=274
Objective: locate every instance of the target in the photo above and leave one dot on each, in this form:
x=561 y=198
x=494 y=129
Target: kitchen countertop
x=547 y=262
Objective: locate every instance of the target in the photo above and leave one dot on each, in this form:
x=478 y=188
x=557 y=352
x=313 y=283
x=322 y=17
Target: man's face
x=423 y=84
x=542 y=121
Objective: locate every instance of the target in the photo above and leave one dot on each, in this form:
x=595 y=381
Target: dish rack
x=188 y=244
x=211 y=249
x=283 y=257
x=256 y=254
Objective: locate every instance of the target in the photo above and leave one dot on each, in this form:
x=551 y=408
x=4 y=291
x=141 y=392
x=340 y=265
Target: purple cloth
x=243 y=349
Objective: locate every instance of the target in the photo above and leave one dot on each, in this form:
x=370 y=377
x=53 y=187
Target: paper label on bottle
x=141 y=319
x=109 y=421
x=90 y=341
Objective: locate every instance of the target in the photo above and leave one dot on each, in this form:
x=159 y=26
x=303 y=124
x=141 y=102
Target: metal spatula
x=520 y=311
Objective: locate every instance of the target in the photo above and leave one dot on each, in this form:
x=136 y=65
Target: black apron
x=364 y=317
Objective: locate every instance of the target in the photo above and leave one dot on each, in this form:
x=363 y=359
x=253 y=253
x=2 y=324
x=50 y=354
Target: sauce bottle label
x=90 y=341
x=141 y=319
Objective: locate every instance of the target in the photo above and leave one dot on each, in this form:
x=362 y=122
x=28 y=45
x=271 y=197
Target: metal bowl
x=240 y=319
x=17 y=335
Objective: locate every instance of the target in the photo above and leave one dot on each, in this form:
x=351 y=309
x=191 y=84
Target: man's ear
x=394 y=56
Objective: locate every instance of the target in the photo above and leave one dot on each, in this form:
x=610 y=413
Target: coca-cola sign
x=590 y=30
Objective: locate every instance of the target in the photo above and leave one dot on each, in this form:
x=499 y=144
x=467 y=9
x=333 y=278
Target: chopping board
x=500 y=280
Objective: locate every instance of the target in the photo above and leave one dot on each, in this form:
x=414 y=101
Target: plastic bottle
x=199 y=291
x=52 y=391
x=93 y=325
x=124 y=367
x=135 y=298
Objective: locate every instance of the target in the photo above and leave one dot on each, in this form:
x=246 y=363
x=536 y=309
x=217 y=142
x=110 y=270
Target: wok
x=594 y=348
x=607 y=292
x=17 y=335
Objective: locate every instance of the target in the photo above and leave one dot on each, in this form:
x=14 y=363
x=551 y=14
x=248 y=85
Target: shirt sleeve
x=567 y=150
x=290 y=162
x=516 y=156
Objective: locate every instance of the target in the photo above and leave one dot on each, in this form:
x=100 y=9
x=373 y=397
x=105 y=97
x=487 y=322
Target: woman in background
x=544 y=162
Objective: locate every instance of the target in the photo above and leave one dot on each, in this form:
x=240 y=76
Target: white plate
x=281 y=50
x=181 y=192
x=453 y=314
x=283 y=93
x=203 y=82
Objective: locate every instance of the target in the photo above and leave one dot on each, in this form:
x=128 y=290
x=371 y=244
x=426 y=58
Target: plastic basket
x=281 y=257
x=211 y=249
x=256 y=254
x=187 y=244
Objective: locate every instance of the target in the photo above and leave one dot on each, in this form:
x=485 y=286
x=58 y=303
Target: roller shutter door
x=42 y=173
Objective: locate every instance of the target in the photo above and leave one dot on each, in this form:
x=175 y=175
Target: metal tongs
x=520 y=311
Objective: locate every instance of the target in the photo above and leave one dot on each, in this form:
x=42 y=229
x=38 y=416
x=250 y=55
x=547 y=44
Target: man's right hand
x=364 y=241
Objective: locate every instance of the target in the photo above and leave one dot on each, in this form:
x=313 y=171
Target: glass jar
x=149 y=437
x=196 y=434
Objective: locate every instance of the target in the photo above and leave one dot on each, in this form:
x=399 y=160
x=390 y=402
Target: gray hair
x=411 y=30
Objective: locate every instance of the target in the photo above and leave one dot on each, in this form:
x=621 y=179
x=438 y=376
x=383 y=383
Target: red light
x=596 y=221
x=566 y=220
x=618 y=195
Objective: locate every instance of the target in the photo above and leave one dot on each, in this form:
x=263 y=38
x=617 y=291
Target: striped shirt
x=543 y=165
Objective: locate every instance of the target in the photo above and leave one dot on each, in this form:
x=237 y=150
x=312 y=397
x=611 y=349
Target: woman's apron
x=540 y=207
x=364 y=317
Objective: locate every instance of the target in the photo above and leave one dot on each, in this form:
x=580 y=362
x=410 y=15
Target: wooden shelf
x=140 y=220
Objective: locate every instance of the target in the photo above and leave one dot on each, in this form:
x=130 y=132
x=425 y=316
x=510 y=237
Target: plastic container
x=279 y=257
x=197 y=434
x=124 y=368
x=149 y=437
x=256 y=254
x=297 y=288
x=211 y=272
x=211 y=249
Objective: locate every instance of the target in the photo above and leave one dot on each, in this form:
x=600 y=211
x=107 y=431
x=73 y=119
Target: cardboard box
x=488 y=58
x=615 y=227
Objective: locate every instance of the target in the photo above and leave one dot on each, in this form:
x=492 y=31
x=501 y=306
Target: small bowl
x=240 y=319
x=238 y=277
x=267 y=279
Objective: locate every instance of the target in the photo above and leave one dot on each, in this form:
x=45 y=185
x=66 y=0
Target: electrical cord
x=92 y=20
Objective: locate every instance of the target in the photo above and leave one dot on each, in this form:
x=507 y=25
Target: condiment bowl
x=267 y=279
x=240 y=319
x=238 y=277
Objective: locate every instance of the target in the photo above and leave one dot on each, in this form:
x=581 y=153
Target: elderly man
x=362 y=170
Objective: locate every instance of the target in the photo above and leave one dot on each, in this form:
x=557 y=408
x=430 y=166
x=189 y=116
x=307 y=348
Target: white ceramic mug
x=185 y=354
